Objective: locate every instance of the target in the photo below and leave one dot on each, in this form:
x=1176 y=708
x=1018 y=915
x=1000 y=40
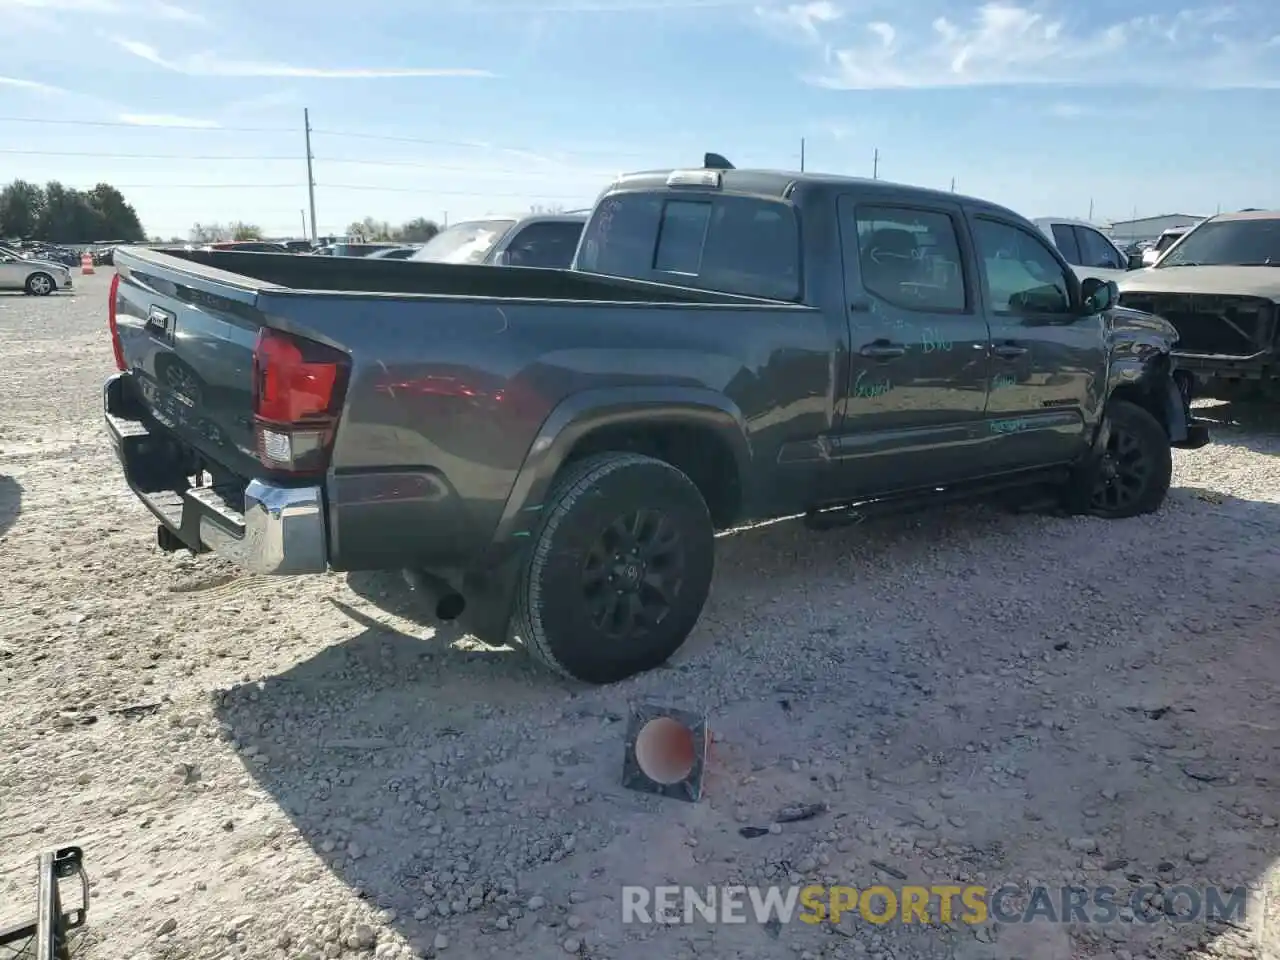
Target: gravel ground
x=299 y=768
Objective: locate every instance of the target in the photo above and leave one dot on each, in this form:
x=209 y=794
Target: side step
x=852 y=514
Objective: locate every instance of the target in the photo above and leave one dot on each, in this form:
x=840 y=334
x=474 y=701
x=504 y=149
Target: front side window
x=1097 y=251
x=1022 y=274
x=1237 y=243
x=733 y=244
x=911 y=258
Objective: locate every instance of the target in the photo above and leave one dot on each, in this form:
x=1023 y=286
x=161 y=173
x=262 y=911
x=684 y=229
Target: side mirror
x=1098 y=295
x=1135 y=260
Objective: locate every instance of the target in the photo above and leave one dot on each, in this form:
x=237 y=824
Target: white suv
x=1090 y=252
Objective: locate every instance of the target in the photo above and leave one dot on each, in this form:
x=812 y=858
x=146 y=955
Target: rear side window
x=1065 y=239
x=741 y=245
x=547 y=244
x=911 y=258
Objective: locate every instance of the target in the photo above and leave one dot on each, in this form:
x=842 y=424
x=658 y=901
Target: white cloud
x=164 y=120
x=62 y=6
x=1008 y=42
x=804 y=19
x=209 y=65
x=168 y=11
x=29 y=85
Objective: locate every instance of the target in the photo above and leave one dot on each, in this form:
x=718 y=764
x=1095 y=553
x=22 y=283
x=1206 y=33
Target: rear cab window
x=724 y=242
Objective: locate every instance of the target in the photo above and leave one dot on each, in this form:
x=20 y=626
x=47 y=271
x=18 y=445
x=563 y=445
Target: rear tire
x=1133 y=476
x=41 y=285
x=620 y=569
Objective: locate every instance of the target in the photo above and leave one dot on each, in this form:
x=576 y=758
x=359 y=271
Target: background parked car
x=1090 y=252
x=394 y=253
x=1167 y=240
x=534 y=240
x=248 y=246
x=35 y=277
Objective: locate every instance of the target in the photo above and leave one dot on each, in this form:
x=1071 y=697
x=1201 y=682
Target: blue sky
x=467 y=107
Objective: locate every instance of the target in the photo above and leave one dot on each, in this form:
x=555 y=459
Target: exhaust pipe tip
x=446 y=602
x=450 y=607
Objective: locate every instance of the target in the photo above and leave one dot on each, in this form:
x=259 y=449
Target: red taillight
x=116 y=346
x=298 y=388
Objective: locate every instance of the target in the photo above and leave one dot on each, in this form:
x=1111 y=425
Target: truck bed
x=360 y=275
x=453 y=370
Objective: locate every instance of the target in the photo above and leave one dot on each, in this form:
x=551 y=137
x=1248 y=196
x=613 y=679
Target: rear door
x=916 y=394
x=1048 y=361
x=13 y=273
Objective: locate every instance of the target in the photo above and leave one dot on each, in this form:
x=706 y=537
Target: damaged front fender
x=1141 y=368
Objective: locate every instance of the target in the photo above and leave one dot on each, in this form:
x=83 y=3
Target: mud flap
x=1185 y=432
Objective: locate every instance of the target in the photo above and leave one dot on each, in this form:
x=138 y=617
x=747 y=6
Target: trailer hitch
x=49 y=931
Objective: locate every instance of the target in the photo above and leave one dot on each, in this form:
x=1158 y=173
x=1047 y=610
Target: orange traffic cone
x=86 y=263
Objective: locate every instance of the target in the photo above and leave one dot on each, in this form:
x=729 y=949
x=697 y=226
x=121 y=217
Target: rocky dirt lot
x=301 y=768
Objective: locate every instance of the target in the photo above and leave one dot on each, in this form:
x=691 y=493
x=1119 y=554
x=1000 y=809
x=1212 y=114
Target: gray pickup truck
x=551 y=452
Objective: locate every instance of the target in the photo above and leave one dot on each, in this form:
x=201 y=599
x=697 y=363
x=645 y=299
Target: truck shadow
x=10 y=502
x=1254 y=426
x=1118 y=727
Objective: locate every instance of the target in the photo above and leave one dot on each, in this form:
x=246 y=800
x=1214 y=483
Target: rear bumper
x=266 y=529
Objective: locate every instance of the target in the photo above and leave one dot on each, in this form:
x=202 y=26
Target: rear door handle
x=882 y=350
x=1008 y=351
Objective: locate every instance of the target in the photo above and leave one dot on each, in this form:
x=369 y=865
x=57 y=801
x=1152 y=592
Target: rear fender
x=580 y=415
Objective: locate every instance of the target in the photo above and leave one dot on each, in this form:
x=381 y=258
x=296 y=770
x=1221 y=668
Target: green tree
x=208 y=232
x=245 y=231
x=418 y=230
x=68 y=217
x=21 y=206
x=371 y=230
x=119 y=221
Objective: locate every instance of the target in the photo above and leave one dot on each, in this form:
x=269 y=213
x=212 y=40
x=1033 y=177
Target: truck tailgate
x=187 y=339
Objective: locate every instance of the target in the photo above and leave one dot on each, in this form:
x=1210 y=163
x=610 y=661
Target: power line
x=454 y=193
x=348 y=134
x=264 y=158
x=143 y=126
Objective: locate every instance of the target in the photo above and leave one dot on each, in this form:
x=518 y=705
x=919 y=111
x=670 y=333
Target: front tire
x=40 y=285
x=620 y=569
x=1133 y=476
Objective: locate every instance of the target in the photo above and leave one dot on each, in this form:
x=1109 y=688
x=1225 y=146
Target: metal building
x=1125 y=232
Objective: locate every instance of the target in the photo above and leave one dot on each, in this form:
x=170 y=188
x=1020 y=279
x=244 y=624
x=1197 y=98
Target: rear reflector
x=116 y=346
x=298 y=389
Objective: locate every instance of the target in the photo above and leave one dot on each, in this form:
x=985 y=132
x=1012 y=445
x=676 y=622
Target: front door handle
x=882 y=350
x=1008 y=351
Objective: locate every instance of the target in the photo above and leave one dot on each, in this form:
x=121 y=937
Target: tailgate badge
x=161 y=322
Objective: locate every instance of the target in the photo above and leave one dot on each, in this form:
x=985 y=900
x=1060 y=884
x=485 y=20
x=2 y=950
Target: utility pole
x=875 y=165
x=311 y=180
x=802 y=154
x=953 y=184
x=303 y=214
x=1091 y=209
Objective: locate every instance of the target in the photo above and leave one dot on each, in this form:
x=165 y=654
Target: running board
x=851 y=514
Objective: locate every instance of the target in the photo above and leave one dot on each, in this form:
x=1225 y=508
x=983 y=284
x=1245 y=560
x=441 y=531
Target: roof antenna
x=713 y=161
